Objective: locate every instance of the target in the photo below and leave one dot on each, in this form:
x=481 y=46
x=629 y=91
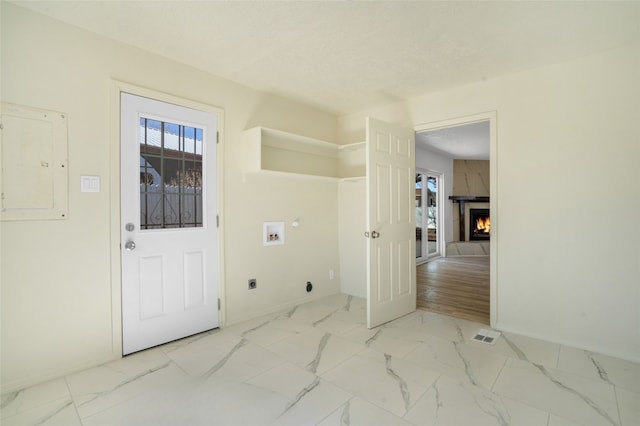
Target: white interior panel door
x=391 y=269
x=168 y=212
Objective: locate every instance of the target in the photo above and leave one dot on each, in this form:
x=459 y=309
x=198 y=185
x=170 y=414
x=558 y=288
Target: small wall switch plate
x=89 y=183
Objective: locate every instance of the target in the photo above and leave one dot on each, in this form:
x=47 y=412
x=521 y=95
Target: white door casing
x=169 y=275
x=391 y=270
x=428 y=250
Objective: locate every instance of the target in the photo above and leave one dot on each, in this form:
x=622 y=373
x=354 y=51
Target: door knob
x=129 y=245
x=375 y=234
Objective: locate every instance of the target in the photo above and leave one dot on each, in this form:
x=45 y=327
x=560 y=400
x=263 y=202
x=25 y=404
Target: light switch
x=89 y=183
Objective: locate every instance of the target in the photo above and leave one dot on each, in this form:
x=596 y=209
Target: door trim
x=490 y=116
x=440 y=224
x=114 y=195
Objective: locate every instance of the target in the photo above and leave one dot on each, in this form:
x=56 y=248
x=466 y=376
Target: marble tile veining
x=100 y=398
x=534 y=350
x=391 y=383
x=465 y=362
x=318 y=364
x=572 y=397
x=55 y=392
x=316 y=350
x=60 y=413
x=616 y=372
x=451 y=402
x=358 y=412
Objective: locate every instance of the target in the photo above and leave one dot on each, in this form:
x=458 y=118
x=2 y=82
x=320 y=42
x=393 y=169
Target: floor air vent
x=486 y=336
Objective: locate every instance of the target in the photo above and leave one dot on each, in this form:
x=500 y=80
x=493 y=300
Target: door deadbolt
x=129 y=227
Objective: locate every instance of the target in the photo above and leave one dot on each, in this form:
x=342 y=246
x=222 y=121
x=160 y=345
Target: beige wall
x=567 y=154
x=567 y=139
x=57 y=276
x=352 y=218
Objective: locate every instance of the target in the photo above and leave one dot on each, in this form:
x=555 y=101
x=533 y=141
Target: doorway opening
x=461 y=281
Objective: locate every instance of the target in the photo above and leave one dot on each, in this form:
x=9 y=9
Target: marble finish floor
x=318 y=364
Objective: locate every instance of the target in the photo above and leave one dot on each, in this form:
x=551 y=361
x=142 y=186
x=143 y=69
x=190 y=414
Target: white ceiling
x=346 y=56
x=464 y=142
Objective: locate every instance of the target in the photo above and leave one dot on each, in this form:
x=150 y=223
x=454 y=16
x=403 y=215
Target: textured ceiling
x=347 y=56
x=344 y=57
x=464 y=142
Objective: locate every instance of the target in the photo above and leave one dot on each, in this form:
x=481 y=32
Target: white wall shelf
x=269 y=150
x=277 y=153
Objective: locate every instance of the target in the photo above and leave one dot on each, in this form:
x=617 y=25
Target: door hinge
x=218 y=303
x=217 y=221
x=217 y=137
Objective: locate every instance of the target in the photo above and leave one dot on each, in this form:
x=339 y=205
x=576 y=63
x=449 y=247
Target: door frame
x=440 y=224
x=115 y=223
x=491 y=117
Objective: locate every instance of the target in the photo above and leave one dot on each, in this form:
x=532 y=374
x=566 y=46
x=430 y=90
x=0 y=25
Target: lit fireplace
x=479 y=224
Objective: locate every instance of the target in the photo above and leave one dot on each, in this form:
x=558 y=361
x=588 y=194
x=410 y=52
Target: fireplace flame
x=483 y=225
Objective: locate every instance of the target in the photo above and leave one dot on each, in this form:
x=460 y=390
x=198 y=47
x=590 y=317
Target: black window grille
x=171 y=175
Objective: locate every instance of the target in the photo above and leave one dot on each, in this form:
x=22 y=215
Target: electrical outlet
x=253 y=283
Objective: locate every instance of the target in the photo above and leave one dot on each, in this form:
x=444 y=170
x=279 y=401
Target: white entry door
x=391 y=269
x=168 y=216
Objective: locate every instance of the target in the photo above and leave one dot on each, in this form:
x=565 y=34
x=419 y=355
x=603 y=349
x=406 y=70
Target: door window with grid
x=170 y=175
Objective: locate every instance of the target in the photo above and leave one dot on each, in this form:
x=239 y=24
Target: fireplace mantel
x=469 y=198
x=461 y=199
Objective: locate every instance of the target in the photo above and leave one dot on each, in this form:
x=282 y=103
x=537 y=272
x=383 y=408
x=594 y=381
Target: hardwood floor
x=455 y=286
